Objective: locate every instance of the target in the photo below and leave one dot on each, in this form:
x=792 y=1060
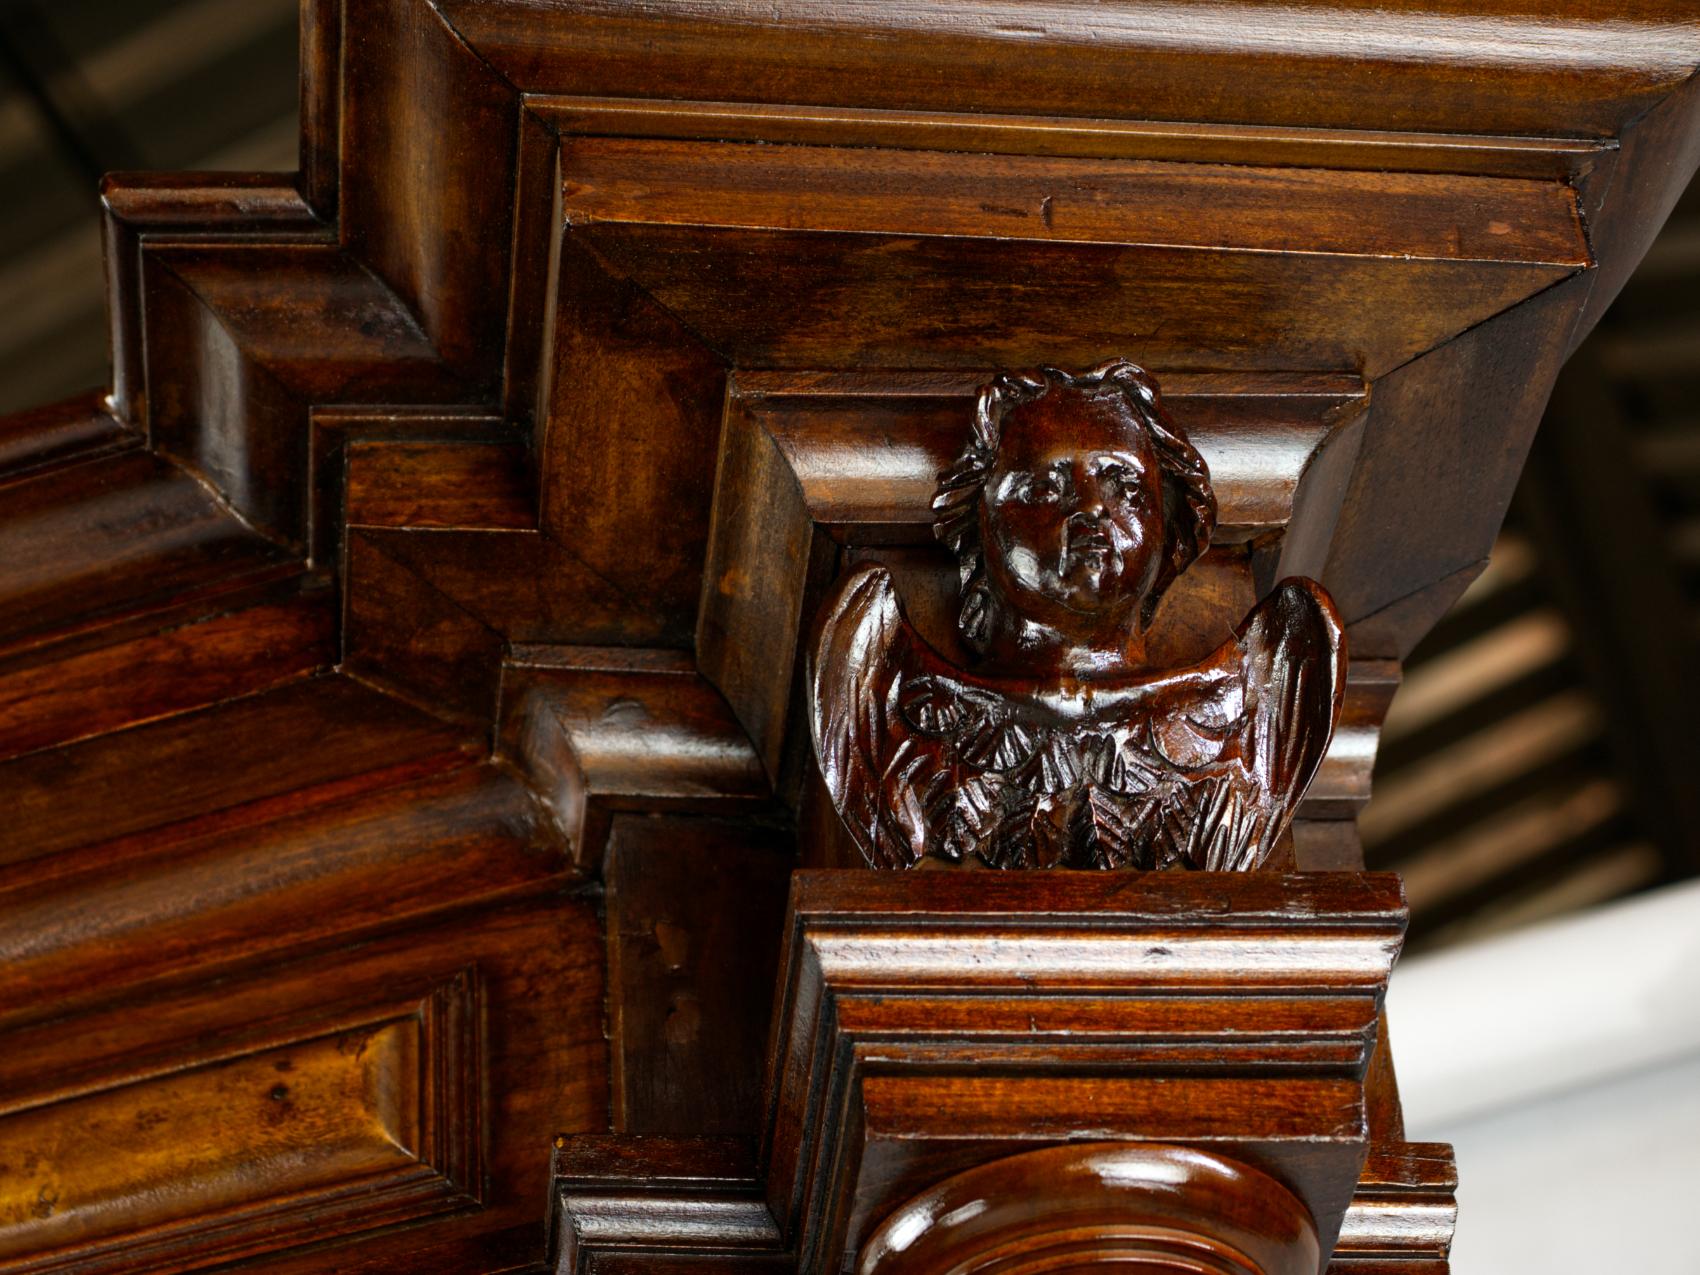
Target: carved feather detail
x=1196 y=768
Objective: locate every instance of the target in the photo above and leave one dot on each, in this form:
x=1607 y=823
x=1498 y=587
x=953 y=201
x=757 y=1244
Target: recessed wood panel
x=346 y=1129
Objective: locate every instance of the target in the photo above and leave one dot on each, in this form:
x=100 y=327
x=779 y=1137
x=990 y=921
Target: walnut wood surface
x=1075 y=504
x=928 y=1023
x=596 y=325
x=1145 y=1209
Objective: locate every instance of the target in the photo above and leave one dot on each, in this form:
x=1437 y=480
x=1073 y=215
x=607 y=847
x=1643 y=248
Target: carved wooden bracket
x=605 y=731
x=599 y=324
x=930 y=1024
x=1076 y=503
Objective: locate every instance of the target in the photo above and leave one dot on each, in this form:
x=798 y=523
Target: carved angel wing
x=1239 y=760
x=1200 y=768
x=1293 y=662
x=1295 y=677
x=915 y=752
x=857 y=667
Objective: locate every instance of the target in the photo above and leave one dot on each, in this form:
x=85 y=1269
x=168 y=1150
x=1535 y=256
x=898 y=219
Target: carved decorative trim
x=819 y=465
x=898 y=992
x=1405 y=1209
x=639 y=1198
x=642 y=1196
x=1075 y=504
x=929 y=1022
x=442 y=258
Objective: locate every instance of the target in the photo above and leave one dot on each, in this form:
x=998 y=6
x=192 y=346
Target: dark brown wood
x=695 y=912
x=928 y=1023
x=1141 y=1208
x=453 y=524
x=602 y=731
x=1074 y=506
x=693 y=1206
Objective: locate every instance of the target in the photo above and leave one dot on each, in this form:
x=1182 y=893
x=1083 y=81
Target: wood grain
x=777 y=255
x=244 y=751
x=116 y=535
x=695 y=908
x=608 y=730
x=1347 y=65
x=459 y=1039
x=373 y=1105
x=592 y=325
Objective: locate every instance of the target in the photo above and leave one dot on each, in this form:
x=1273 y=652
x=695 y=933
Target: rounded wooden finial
x=1139 y=1207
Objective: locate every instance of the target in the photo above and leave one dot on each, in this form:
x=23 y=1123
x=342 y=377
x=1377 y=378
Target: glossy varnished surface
x=460 y=504
x=930 y=1023
x=1148 y=1208
x=1075 y=504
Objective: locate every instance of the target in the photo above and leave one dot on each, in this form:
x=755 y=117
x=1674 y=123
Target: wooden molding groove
x=631 y=1195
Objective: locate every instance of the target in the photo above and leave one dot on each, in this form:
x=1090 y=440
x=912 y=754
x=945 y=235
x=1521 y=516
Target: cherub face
x=1072 y=515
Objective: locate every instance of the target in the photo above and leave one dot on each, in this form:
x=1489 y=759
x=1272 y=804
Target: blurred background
x=1540 y=760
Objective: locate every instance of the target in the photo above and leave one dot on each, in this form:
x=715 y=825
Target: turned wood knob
x=1139 y=1207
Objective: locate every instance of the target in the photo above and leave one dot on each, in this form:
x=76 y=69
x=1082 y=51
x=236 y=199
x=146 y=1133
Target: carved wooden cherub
x=1076 y=503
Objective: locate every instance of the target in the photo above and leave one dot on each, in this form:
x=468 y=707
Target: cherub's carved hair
x=1189 y=503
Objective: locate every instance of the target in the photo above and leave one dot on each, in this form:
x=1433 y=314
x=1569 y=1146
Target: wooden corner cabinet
x=416 y=852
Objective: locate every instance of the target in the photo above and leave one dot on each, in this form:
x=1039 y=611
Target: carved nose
x=1091 y=498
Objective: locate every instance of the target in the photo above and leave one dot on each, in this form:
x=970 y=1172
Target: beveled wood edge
x=445 y=1174
x=963 y=934
x=1085 y=137
x=583 y=760
x=1617 y=69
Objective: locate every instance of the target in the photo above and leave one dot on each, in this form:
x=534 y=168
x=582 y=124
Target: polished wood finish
x=419 y=619
x=694 y=913
x=1074 y=507
x=927 y=1023
x=1142 y=1208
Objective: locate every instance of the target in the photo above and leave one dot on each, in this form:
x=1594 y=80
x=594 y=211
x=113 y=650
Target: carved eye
x=1039 y=489
x=1118 y=479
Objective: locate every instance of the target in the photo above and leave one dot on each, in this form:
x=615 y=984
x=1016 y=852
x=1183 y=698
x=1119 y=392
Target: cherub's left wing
x=1243 y=749
x=1294 y=658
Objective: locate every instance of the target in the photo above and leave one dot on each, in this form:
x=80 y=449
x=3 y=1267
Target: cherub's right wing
x=855 y=669
x=895 y=724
